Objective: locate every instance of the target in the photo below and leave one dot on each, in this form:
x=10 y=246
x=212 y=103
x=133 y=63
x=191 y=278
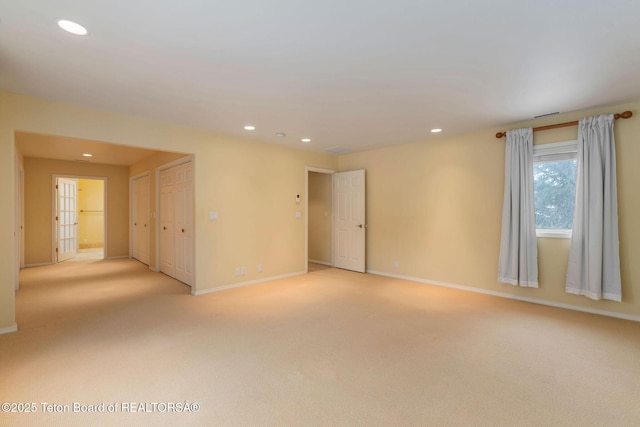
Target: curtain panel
x=594 y=258
x=518 y=262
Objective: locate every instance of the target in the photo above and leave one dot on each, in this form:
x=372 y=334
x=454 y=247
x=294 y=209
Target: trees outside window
x=554 y=186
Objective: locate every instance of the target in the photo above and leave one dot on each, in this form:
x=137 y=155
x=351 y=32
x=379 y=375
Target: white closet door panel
x=176 y=220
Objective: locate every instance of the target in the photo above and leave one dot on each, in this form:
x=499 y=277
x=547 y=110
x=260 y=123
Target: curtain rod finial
x=501 y=134
x=625 y=115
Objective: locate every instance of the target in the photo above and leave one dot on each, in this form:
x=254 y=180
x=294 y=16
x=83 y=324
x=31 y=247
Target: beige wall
x=320 y=215
x=39 y=205
x=149 y=166
x=435 y=207
x=91 y=213
x=252 y=185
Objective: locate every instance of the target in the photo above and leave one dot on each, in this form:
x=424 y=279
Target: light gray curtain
x=594 y=259
x=518 y=264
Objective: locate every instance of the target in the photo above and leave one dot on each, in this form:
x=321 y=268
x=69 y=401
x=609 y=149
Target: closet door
x=184 y=223
x=176 y=222
x=140 y=219
x=167 y=220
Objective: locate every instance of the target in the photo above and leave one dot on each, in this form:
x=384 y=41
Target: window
x=554 y=186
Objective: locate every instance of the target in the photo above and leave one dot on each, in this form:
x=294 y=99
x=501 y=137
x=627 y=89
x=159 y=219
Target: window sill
x=554 y=234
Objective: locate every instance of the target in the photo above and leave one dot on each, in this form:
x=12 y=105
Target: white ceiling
x=355 y=74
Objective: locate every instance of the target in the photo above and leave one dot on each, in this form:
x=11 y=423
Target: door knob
x=361 y=225
x=135 y=223
x=164 y=228
x=145 y=225
x=183 y=230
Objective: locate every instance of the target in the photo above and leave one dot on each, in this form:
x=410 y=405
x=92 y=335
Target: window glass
x=554 y=185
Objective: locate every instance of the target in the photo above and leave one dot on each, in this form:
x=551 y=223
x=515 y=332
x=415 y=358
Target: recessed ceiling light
x=249 y=127
x=306 y=140
x=281 y=134
x=72 y=27
x=87 y=155
x=436 y=130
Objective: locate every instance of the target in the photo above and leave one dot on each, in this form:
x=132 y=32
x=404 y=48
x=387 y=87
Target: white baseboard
x=320 y=262
x=251 y=282
x=118 y=257
x=8 y=330
x=509 y=296
x=37 y=264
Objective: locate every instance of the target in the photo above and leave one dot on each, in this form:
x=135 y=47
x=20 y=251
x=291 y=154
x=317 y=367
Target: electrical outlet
x=237 y=271
x=244 y=270
x=396 y=265
x=259 y=268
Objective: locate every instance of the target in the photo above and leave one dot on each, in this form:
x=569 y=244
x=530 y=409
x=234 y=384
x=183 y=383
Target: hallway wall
x=39 y=206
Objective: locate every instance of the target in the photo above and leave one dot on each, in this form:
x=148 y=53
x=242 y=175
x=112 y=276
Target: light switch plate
x=213 y=216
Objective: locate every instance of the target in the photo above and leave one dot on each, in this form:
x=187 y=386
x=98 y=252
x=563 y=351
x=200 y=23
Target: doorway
x=79 y=226
x=140 y=216
x=319 y=219
x=346 y=213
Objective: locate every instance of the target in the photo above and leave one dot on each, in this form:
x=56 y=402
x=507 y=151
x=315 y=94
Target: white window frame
x=557 y=151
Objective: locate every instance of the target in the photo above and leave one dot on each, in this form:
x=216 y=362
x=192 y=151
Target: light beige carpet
x=88 y=254
x=330 y=348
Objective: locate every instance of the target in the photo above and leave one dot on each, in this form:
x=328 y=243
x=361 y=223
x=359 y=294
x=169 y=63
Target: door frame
x=131 y=179
x=54 y=211
x=307 y=170
x=182 y=160
x=19 y=219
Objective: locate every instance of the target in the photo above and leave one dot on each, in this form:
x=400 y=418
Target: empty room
x=320 y=213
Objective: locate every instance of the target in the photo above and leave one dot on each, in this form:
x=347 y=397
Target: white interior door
x=184 y=223
x=350 y=220
x=176 y=222
x=140 y=219
x=167 y=214
x=67 y=218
